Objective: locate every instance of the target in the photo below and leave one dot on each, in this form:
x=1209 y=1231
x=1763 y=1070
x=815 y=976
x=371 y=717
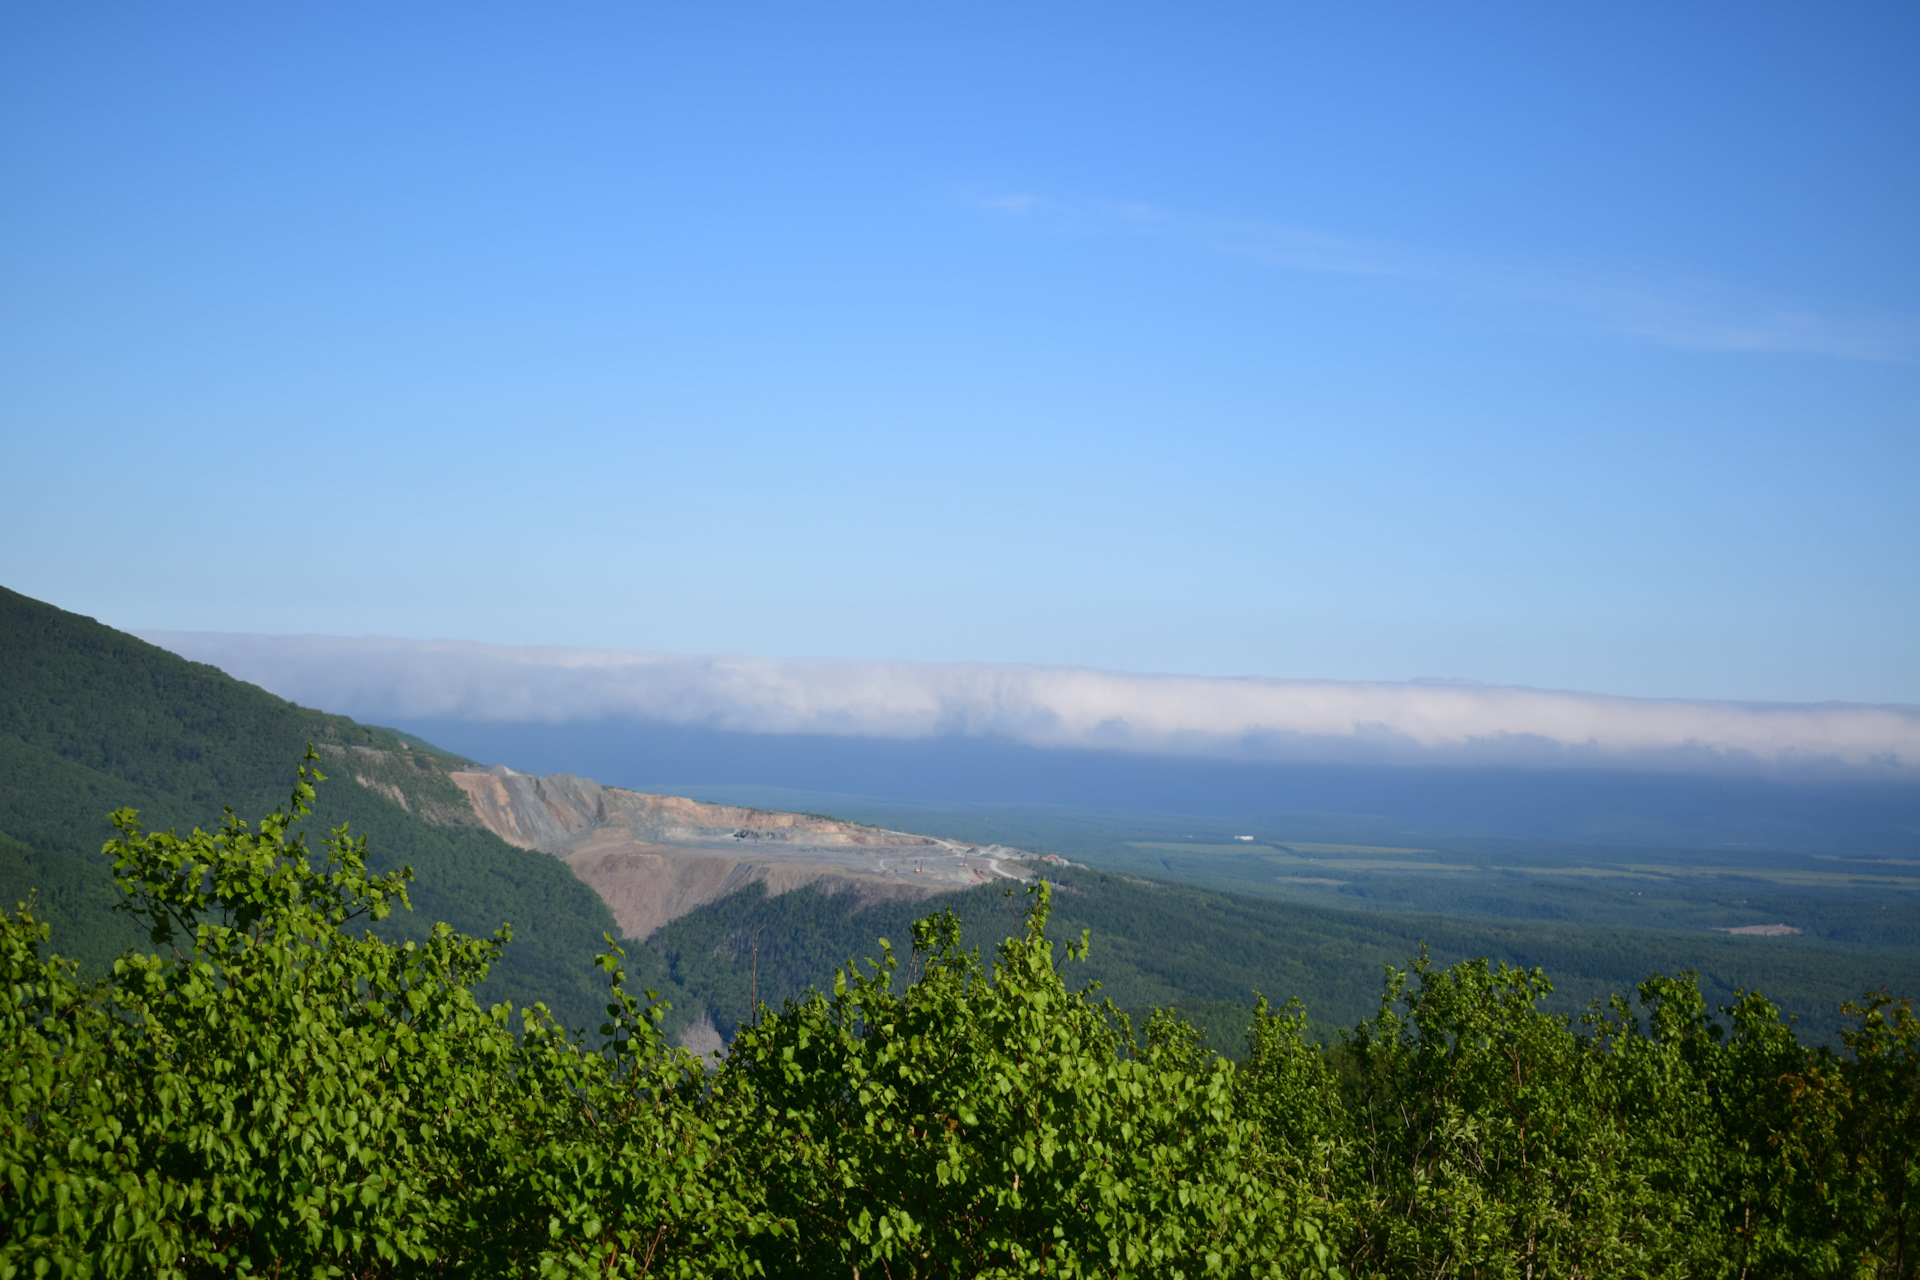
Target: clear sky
x=1573 y=346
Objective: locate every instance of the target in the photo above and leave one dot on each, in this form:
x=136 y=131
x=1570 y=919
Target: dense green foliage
x=277 y=1089
x=1464 y=1131
x=280 y=1090
x=93 y=719
x=995 y=1123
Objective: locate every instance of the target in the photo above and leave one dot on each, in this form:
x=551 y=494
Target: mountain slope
x=1159 y=944
x=92 y=719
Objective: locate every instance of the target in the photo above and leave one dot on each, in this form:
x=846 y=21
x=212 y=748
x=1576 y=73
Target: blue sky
x=1567 y=347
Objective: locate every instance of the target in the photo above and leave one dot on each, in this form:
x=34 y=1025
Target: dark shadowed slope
x=92 y=719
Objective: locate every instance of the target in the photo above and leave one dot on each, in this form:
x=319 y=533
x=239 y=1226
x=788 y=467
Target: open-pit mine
x=655 y=858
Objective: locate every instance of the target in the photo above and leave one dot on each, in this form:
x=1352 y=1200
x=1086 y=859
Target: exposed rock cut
x=655 y=858
x=702 y=1040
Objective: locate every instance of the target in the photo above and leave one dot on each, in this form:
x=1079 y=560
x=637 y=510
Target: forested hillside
x=92 y=719
x=1209 y=952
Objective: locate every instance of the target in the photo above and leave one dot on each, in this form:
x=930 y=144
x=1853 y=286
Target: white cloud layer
x=1420 y=722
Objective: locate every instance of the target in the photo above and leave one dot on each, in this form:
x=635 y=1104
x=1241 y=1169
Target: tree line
x=273 y=1089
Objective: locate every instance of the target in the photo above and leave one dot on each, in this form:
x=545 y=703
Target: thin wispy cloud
x=1417 y=722
x=1668 y=307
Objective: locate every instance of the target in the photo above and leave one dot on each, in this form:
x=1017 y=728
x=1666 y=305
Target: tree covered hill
x=93 y=719
x=1206 y=953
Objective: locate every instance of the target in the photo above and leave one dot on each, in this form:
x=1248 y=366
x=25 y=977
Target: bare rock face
x=702 y=1040
x=655 y=858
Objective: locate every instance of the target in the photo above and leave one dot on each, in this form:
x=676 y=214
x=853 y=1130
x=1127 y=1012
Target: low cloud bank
x=1419 y=722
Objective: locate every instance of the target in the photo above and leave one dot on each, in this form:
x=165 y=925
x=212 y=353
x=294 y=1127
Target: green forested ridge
x=1175 y=945
x=92 y=719
x=281 y=1091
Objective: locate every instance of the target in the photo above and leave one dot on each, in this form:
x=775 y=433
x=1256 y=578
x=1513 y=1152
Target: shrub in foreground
x=276 y=1090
